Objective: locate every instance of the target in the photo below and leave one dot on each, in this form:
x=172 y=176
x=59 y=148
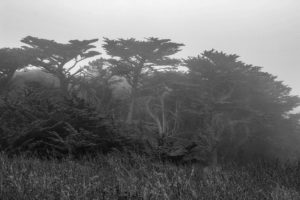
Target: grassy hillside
x=119 y=177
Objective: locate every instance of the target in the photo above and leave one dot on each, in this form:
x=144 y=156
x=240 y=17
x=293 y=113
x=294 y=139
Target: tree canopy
x=54 y=57
x=12 y=59
x=135 y=59
x=218 y=108
x=238 y=102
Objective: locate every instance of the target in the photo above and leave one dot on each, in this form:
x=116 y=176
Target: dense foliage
x=218 y=109
x=41 y=123
x=134 y=60
x=239 y=106
x=10 y=61
x=60 y=59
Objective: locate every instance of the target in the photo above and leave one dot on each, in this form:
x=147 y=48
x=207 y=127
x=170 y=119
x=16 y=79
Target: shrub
x=41 y=122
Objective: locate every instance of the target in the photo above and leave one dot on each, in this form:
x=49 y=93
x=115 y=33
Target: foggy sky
x=263 y=32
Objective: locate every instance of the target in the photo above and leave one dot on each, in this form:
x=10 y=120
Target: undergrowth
x=116 y=176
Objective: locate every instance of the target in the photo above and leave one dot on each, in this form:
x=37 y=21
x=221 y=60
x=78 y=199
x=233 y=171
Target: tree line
x=218 y=108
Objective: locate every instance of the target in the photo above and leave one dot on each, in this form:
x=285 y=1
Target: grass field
x=120 y=177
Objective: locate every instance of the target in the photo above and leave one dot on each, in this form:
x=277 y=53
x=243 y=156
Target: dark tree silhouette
x=10 y=61
x=60 y=59
x=233 y=102
x=135 y=59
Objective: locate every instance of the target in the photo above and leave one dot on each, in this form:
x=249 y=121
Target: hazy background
x=263 y=32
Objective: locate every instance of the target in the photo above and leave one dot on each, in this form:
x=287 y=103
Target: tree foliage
x=10 y=61
x=236 y=102
x=219 y=107
x=45 y=124
x=60 y=59
x=135 y=59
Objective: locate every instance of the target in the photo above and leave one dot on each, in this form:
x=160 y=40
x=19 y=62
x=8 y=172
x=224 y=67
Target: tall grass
x=117 y=176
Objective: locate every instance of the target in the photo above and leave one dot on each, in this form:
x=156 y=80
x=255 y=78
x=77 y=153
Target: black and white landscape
x=157 y=99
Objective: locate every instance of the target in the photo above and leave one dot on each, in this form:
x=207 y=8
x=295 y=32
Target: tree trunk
x=164 y=120
x=63 y=85
x=214 y=159
x=134 y=88
x=130 y=111
x=155 y=118
x=6 y=81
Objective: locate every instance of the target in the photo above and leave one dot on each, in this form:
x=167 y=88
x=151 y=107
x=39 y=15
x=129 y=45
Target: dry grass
x=119 y=177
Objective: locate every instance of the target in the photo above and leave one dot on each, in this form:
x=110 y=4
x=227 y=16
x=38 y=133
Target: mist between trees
x=137 y=100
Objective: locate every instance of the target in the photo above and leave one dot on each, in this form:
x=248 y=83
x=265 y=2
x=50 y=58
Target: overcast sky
x=262 y=32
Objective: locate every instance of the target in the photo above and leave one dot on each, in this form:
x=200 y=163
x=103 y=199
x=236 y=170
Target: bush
x=41 y=122
x=178 y=149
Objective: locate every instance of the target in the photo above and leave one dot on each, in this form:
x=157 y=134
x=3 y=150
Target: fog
x=264 y=33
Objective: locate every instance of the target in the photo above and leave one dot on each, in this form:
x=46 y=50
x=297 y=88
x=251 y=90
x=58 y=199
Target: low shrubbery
x=117 y=176
x=40 y=122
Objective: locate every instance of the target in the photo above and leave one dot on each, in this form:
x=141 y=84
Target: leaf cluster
x=45 y=124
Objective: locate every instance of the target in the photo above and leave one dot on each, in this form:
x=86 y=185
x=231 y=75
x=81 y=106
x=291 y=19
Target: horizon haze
x=263 y=33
